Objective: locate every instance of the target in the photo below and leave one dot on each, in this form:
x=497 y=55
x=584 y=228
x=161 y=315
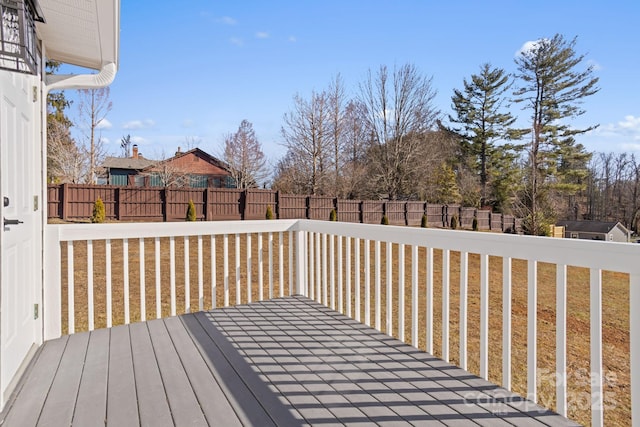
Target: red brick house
x=194 y=168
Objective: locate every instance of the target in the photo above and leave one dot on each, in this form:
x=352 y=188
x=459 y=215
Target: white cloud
x=236 y=41
x=293 y=39
x=139 y=140
x=629 y=128
x=139 y=124
x=227 y=20
x=262 y=35
x=105 y=140
x=104 y=124
x=528 y=46
x=594 y=65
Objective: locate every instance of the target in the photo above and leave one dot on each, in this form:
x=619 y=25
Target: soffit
x=81 y=32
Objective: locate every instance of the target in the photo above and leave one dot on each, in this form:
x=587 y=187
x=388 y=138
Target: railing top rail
x=71 y=232
x=619 y=257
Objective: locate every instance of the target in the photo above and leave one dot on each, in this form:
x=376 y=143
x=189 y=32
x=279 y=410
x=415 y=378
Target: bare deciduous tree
x=243 y=153
x=398 y=106
x=306 y=135
x=65 y=160
x=94 y=105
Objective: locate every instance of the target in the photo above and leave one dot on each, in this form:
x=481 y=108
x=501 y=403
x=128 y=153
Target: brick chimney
x=135 y=151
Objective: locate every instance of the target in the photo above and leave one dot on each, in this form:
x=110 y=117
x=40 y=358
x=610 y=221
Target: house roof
x=200 y=153
x=84 y=33
x=127 y=163
x=591 y=226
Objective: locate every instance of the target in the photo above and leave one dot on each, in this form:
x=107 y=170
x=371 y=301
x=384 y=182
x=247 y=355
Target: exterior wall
x=194 y=164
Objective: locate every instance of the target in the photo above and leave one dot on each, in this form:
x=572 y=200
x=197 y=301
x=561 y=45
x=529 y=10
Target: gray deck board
x=213 y=402
x=184 y=405
x=35 y=388
x=122 y=407
x=152 y=404
x=285 y=362
x=66 y=384
x=91 y=406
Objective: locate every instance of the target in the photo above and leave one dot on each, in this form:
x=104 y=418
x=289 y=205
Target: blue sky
x=196 y=69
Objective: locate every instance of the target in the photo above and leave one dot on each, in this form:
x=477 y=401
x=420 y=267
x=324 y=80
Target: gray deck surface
x=283 y=362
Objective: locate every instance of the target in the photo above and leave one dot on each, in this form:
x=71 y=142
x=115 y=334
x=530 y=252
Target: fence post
x=63 y=202
x=164 y=204
x=116 y=204
x=204 y=204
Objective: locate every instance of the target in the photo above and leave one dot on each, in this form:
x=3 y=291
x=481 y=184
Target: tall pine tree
x=480 y=109
x=551 y=88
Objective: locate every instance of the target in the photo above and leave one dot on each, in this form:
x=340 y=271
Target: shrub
x=98 y=211
x=333 y=215
x=424 y=222
x=454 y=222
x=191 y=211
x=269 y=214
x=474 y=224
x=385 y=220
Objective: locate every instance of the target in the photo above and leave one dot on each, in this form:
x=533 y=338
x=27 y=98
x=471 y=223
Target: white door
x=21 y=233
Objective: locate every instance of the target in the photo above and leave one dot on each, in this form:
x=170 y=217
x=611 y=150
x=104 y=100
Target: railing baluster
x=429 y=302
x=367 y=282
x=388 y=256
x=270 y=265
x=172 y=273
x=108 y=284
x=464 y=285
x=318 y=264
x=214 y=290
x=325 y=279
x=225 y=267
x=312 y=271
x=143 y=288
x=187 y=278
x=348 y=274
x=237 y=251
x=158 y=276
x=357 y=279
x=332 y=271
x=401 y=292
x=291 y=263
x=595 y=313
x=532 y=303
x=634 y=353
x=414 y=296
x=260 y=269
x=376 y=286
x=340 y=283
x=70 y=289
x=445 y=304
x=561 y=339
x=281 y=263
x=200 y=275
x=484 y=316
x=125 y=268
x=90 y=302
x=249 y=260
x=506 y=323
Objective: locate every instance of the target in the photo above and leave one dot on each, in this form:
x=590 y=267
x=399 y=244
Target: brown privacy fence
x=71 y=202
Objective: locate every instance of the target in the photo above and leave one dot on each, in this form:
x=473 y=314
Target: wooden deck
x=283 y=362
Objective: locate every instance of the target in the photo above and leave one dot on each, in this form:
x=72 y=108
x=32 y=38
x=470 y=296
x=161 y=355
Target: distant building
x=194 y=168
x=595 y=230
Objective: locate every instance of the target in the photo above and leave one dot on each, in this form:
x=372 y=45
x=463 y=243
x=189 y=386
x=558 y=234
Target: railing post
x=300 y=264
x=52 y=286
x=634 y=335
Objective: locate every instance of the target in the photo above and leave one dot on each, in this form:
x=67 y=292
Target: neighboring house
x=194 y=168
x=125 y=170
x=595 y=230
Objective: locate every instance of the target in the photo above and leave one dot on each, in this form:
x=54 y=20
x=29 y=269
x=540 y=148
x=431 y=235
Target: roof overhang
x=85 y=33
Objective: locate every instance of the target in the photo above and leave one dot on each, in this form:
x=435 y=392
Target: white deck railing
x=335 y=264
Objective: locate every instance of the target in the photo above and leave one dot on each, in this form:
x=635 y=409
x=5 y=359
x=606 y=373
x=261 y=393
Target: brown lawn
x=615 y=308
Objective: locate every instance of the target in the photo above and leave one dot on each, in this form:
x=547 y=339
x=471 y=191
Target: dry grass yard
x=615 y=309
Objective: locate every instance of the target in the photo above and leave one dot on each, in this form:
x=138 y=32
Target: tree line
x=388 y=140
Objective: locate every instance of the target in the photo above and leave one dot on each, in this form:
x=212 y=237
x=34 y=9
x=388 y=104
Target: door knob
x=12 y=222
